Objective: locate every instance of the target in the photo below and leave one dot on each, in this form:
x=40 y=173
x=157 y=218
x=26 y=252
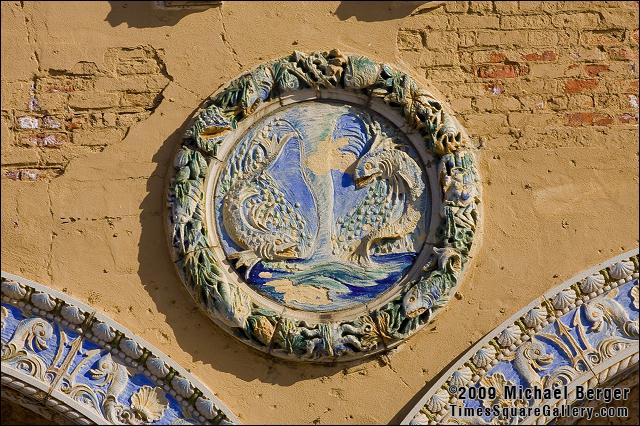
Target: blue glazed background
x=320 y=120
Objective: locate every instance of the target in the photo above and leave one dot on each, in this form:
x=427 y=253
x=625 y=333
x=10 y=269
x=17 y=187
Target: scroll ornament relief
x=299 y=208
x=91 y=369
x=584 y=332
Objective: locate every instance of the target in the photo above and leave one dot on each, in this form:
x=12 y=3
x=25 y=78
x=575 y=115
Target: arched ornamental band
x=71 y=364
x=578 y=336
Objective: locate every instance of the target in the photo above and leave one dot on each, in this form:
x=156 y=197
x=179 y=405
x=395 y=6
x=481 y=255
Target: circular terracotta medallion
x=322 y=206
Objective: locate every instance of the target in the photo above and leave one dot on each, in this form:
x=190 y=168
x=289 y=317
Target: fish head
x=367 y=170
x=283 y=249
x=416 y=302
x=538 y=355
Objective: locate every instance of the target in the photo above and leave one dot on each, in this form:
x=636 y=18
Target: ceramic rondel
x=322 y=206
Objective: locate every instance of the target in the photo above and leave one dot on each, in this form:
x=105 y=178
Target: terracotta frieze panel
x=579 y=335
x=61 y=357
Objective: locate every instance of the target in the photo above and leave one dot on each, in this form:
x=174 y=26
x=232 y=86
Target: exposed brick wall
x=532 y=74
x=524 y=74
x=61 y=114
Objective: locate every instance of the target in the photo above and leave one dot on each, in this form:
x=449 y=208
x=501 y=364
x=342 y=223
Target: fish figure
x=391 y=215
x=607 y=310
x=255 y=211
x=422 y=297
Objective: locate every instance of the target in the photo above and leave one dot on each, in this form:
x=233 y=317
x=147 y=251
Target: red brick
x=496 y=57
x=602 y=119
x=579 y=85
x=494 y=88
x=594 y=70
x=627 y=118
x=546 y=56
x=588 y=119
x=502 y=71
x=22 y=174
x=622 y=54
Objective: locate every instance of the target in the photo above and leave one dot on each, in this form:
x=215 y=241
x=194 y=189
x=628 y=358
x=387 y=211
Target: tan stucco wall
x=550 y=89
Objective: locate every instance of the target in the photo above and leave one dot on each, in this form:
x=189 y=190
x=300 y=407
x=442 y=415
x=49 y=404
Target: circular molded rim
x=395 y=314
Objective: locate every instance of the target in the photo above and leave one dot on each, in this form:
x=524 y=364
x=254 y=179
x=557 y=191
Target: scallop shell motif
x=635 y=296
x=13 y=290
x=438 y=401
x=157 y=366
x=149 y=403
x=509 y=336
x=564 y=300
x=43 y=301
x=131 y=348
x=592 y=283
x=420 y=419
x=461 y=377
x=72 y=314
x=496 y=380
x=535 y=317
x=182 y=386
x=484 y=356
x=621 y=270
x=206 y=407
x=103 y=332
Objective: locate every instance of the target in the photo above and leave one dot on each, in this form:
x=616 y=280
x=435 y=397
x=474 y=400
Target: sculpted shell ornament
x=43 y=301
x=536 y=317
x=461 y=377
x=438 y=401
x=14 y=290
x=72 y=314
x=564 y=300
x=103 y=332
x=484 y=357
x=621 y=270
x=157 y=366
x=214 y=141
x=509 y=336
x=149 y=403
x=592 y=283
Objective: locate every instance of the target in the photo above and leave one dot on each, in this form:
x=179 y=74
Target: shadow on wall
x=147 y=14
x=370 y=11
x=194 y=332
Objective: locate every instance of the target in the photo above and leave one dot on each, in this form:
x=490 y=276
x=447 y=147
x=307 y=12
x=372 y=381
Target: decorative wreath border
x=285 y=334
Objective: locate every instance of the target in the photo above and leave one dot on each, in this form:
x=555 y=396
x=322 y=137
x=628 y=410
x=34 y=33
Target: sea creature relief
x=320 y=183
x=322 y=206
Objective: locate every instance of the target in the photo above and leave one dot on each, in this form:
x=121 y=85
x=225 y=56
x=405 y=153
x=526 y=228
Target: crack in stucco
x=227 y=43
x=28 y=23
x=52 y=236
x=387 y=360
